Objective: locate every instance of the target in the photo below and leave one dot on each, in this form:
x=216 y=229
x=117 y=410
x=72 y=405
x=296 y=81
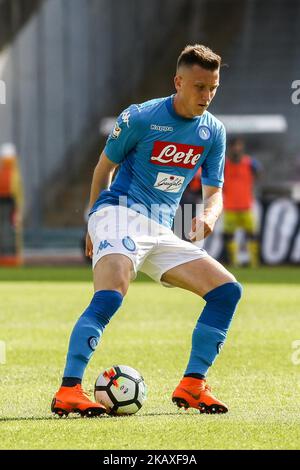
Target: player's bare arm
x=203 y=225
x=102 y=178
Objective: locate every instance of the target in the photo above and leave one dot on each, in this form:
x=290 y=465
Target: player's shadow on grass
x=23 y=418
x=54 y=418
x=167 y=413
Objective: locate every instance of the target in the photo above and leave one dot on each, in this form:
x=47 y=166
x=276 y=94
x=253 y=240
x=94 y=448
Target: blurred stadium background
x=67 y=68
x=70 y=66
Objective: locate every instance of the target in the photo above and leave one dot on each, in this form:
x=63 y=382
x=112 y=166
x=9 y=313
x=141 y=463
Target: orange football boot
x=75 y=400
x=195 y=393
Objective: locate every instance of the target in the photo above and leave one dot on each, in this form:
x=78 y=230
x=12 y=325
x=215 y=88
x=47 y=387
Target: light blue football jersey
x=159 y=152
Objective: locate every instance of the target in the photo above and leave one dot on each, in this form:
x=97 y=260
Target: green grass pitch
x=254 y=374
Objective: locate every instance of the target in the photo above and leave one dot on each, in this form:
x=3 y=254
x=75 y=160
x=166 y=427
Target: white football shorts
x=152 y=248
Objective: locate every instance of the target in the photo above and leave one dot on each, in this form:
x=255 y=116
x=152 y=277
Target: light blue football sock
x=211 y=329
x=88 y=330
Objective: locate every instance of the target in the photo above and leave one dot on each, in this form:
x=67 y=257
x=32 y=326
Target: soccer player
x=241 y=171
x=158 y=146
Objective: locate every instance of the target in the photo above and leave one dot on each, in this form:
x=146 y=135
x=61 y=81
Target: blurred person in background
x=11 y=207
x=241 y=172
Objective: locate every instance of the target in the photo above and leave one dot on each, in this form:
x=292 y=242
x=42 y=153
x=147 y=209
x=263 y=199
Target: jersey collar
x=171 y=109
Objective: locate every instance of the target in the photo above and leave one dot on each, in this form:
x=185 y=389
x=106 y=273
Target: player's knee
x=220 y=306
x=104 y=305
x=226 y=296
x=234 y=293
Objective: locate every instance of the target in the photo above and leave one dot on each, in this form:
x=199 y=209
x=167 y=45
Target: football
x=121 y=389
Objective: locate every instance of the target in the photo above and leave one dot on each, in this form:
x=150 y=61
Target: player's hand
x=201 y=228
x=88 y=246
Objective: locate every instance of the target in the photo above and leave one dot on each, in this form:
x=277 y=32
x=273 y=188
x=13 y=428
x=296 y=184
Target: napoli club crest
x=204 y=132
x=93 y=342
x=129 y=244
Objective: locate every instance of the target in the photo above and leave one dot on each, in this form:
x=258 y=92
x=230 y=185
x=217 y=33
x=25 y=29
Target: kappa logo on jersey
x=156 y=127
x=173 y=154
x=169 y=183
x=103 y=245
x=125 y=117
